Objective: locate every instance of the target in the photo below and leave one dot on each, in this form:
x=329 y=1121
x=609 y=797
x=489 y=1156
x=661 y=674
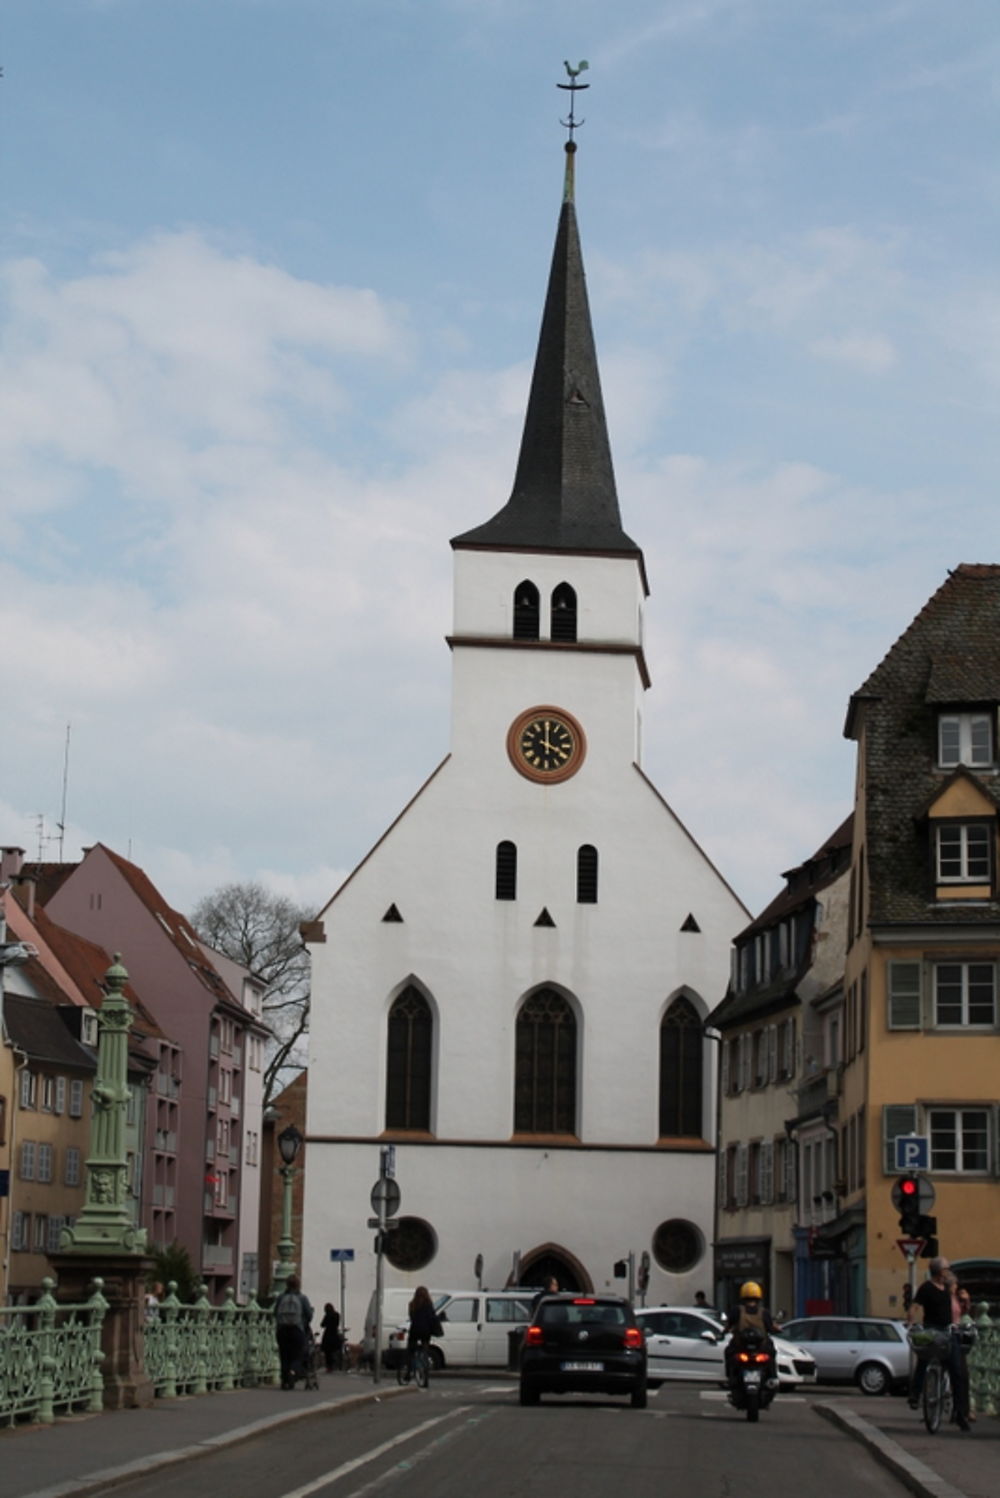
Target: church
x=512 y=986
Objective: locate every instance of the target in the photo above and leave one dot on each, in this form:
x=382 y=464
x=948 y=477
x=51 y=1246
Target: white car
x=684 y=1343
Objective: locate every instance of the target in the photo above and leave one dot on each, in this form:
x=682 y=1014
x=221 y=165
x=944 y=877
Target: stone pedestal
x=126 y=1386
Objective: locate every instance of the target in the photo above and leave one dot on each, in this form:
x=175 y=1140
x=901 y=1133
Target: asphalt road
x=466 y=1437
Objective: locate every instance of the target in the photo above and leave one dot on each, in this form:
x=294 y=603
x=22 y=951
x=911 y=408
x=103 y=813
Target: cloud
x=868 y=352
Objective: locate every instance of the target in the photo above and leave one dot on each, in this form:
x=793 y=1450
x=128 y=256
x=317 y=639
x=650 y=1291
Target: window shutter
x=767 y=1172
x=791 y=1175
x=772 y=1053
x=897 y=1118
x=904 y=995
x=722 y=1178
x=724 y=1068
x=740 y=1193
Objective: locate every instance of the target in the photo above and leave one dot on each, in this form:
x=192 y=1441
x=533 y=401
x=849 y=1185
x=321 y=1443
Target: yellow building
x=921 y=1028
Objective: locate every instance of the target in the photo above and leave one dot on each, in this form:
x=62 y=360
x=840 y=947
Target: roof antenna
x=61 y=824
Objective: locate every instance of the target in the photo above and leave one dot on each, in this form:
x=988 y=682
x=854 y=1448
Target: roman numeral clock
x=546 y=744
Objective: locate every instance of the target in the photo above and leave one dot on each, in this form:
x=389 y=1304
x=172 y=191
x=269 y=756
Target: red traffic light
x=907 y=1186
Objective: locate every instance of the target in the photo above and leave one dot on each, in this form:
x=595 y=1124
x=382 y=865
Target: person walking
x=331 y=1341
x=292 y=1321
x=939 y=1309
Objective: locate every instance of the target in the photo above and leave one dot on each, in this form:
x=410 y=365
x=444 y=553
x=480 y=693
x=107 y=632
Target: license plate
x=583 y=1367
x=751 y=1378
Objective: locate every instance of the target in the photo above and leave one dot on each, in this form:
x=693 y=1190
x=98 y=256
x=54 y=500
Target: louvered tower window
x=526 y=611
x=545 y=1066
x=681 y=1043
x=563 y=613
x=408 y=1062
x=586 y=875
x=506 y=871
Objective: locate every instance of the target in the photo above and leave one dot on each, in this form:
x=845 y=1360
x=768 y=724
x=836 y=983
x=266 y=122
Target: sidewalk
x=948 y=1465
x=82 y=1453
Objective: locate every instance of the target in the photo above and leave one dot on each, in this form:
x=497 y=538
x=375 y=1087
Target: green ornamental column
x=106 y=1220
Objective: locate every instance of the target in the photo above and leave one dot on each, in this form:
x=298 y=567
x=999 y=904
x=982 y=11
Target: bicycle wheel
x=403 y=1371
x=933 y=1396
x=420 y=1366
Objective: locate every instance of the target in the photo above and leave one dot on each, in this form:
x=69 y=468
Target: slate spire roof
x=564 y=496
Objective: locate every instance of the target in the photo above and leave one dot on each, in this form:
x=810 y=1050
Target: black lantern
x=289 y=1144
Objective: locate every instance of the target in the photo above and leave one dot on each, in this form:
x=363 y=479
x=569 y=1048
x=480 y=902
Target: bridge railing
x=984 y=1363
x=50 y=1357
x=201 y=1348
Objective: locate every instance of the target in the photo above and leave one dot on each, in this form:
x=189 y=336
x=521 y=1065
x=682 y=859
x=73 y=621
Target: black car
x=586 y=1344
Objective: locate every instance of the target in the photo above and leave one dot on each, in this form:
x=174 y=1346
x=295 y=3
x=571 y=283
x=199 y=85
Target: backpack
x=288 y=1311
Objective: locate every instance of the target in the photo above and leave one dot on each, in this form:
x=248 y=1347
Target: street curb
x=915 y=1474
x=112 y=1476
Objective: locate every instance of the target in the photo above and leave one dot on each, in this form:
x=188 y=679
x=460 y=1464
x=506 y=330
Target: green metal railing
x=50 y=1357
x=202 y=1348
x=984 y=1364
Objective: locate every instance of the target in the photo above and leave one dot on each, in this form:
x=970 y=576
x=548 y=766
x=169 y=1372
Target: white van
x=475 y=1325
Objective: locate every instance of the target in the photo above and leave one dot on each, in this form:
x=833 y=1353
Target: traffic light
x=927 y=1229
x=642 y=1283
x=908 y=1200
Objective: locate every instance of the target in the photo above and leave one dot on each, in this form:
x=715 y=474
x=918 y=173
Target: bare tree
x=260 y=930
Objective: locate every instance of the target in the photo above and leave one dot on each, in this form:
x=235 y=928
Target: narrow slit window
x=586 y=875
x=408 y=1062
x=506 y=875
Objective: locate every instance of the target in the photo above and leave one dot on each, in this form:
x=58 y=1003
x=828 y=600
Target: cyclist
x=934 y=1300
x=424 y=1322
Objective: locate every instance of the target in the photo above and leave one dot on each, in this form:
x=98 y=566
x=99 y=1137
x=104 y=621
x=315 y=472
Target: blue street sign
x=342 y=1255
x=913 y=1152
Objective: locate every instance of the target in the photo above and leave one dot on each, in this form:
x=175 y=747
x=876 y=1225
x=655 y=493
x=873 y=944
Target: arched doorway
x=550 y=1261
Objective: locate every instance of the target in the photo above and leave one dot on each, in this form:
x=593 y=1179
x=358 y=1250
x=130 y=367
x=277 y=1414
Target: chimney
x=11 y=860
x=27 y=884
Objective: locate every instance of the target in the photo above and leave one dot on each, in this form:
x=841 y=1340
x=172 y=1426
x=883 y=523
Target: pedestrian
x=293 y=1327
x=153 y=1298
x=331 y=1341
x=934 y=1300
x=551 y=1287
x=700 y=1303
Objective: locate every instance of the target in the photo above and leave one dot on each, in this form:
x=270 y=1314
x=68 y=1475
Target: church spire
x=564 y=496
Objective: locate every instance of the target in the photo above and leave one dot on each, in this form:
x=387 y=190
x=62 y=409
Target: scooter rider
x=752 y=1322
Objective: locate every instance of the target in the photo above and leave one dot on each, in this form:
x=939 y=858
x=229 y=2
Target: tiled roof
x=948 y=657
x=36 y=1027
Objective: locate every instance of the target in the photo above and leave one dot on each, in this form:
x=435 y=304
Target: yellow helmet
x=751 y=1291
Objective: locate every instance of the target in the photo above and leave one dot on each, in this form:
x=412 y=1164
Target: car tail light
x=585 y=1300
x=534 y=1337
x=633 y=1336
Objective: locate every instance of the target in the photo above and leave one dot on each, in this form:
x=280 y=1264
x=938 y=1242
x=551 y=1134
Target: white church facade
x=511 y=986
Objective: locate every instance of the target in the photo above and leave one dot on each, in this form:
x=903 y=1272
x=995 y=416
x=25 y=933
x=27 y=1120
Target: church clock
x=546 y=744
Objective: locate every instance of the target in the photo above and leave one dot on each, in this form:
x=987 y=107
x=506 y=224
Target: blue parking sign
x=912 y=1152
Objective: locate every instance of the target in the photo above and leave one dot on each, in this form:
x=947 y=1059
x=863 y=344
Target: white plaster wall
x=606 y=609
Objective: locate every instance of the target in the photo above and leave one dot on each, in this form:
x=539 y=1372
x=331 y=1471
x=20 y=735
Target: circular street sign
x=386 y=1197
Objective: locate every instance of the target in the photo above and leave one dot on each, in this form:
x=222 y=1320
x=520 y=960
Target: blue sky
x=270 y=280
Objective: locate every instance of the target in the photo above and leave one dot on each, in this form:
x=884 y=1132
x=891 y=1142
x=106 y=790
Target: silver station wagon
x=870 y=1351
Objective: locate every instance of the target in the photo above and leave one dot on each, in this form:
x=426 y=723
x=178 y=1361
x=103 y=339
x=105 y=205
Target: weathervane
x=573 y=88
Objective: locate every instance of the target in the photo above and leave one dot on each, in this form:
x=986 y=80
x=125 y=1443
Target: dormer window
x=965 y=739
x=526 y=611
x=563 y=624
x=964 y=852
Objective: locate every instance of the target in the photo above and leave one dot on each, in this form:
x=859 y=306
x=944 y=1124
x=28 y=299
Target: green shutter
x=903 y=983
x=897 y=1118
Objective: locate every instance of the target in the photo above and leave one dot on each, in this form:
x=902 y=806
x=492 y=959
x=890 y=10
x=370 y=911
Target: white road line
x=373 y=1455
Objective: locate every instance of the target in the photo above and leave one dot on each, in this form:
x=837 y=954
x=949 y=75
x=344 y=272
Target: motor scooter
x=751 y=1380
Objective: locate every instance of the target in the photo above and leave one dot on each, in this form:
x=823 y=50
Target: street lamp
x=289 y=1144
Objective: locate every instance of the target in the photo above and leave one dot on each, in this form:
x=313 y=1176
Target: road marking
x=371 y=1456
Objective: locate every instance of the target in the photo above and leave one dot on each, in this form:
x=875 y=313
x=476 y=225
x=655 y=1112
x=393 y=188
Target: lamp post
x=289 y=1144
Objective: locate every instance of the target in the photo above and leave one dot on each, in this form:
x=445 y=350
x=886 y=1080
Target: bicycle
x=936 y=1349
x=415 y=1365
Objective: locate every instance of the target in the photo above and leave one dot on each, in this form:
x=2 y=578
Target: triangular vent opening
x=545 y=919
x=690 y=924
x=392 y=914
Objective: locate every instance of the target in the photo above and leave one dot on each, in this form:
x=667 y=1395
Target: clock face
x=546 y=744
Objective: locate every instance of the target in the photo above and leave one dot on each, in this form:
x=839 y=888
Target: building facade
x=921 y=1031
x=778 y=1172
x=511 y=987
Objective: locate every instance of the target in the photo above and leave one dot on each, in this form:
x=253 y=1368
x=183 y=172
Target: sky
x=271 y=275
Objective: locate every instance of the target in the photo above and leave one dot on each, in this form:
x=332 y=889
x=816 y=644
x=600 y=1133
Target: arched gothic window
x=681 y=1043
x=506 y=871
x=563 y=612
x=545 y=1066
x=586 y=875
x=526 y=611
x=408 y=1062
